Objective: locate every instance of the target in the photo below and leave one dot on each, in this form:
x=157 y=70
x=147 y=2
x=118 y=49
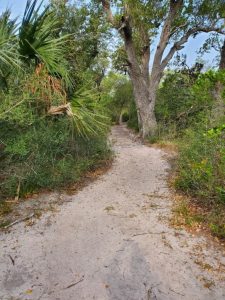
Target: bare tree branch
x=180 y=44
x=108 y=11
x=178 y=28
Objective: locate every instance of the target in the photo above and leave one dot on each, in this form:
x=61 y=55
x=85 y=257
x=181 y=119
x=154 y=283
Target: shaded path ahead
x=111 y=241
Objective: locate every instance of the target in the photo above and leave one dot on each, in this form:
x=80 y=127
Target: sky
x=17 y=8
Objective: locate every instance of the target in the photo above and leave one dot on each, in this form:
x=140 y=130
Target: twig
x=5 y=112
x=140 y=234
x=18 y=221
x=176 y=292
x=119 y=216
x=75 y=283
x=145 y=233
x=12 y=260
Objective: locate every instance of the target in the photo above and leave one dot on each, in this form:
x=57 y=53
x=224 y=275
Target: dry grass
x=188 y=214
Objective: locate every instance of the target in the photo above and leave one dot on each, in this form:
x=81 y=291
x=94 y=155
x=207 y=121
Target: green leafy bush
x=53 y=126
x=46 y=155
x=184 y=101
x=185 y=113
x=201 y=165
x=201 y=174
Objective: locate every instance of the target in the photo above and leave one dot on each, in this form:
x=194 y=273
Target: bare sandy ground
x=112 y=241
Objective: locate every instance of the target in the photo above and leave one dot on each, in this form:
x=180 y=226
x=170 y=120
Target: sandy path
x=111 y=241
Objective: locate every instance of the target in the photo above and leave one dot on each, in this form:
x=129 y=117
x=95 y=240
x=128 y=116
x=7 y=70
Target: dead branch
x=176 y=292
x=19 y=221
x=75 y=283
x=145 y=233
x=180 y=44
x=12 y=260
x=61 y=110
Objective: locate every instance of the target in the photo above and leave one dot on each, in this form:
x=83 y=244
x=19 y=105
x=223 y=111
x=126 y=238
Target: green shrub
x=53 y=126
x=46 y=155
x=201 y=165
x=184 y=111
x=42 y=151
x=184 y=102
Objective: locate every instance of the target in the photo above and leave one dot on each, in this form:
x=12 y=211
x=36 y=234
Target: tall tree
x=174 y=21
x=86 y=48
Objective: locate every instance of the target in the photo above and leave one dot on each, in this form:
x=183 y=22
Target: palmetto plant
x=40 y=48
x=39 y=41
x=9 y=56
x=87 y=114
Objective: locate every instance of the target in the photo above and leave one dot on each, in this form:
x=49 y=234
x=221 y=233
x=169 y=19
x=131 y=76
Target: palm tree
x=9 y=57
x=38 y=43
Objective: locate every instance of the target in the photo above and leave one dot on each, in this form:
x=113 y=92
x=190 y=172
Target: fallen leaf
x=29 y=292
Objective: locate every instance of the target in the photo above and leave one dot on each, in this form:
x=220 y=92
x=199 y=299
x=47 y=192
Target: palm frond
x=38 y=42
x=9 y=55
x=88 y=117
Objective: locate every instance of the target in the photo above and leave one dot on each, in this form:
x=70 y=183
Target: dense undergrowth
x=186 y=112
x=53 y=128
x=46 y=155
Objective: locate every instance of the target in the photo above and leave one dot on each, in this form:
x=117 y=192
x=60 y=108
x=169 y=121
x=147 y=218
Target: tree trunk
x=148 y=122
x=145 y=103
x=219 y=105
x=222 y=58
x=218 y=110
